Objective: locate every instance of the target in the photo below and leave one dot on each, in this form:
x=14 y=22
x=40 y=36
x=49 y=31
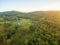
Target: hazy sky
x=29 y=5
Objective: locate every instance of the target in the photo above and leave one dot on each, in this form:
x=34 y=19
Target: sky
x=29 y=5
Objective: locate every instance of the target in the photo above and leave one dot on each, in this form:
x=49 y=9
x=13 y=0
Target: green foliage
x=34 y=30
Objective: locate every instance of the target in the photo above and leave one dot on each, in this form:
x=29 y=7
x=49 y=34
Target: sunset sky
x=29 y=5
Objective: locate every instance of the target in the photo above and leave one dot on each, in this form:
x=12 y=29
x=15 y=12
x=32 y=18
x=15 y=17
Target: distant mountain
x=10 y=13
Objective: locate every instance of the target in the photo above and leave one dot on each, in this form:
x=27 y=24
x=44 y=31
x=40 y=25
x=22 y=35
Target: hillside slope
x=51 y=15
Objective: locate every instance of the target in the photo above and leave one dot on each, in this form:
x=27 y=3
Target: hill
x=18 y=14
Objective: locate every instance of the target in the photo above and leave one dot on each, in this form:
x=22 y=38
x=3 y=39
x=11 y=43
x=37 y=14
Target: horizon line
x=28 y=11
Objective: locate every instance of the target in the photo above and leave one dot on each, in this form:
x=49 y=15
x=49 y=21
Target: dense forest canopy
x=32 y=28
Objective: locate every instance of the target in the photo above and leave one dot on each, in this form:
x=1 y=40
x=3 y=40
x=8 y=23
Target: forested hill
x=16 y=13
x=35 y=13
x=51 y=15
